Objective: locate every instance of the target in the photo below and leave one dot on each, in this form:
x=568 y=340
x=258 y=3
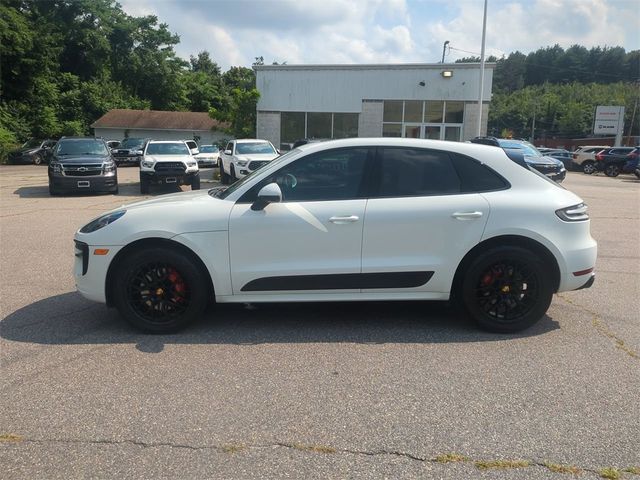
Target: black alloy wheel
x=507 y=289
x=612 y=170
x=37 y=159
x=159 y=290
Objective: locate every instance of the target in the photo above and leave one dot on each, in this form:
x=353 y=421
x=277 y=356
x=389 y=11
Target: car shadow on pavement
x=124 y=190
x=69 y=319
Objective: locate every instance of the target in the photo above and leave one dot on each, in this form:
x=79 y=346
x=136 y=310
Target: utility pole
x=484 y=35
x=444 y=49
x=533 y=124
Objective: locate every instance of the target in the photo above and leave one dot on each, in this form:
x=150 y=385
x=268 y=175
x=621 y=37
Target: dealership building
x=435 y=101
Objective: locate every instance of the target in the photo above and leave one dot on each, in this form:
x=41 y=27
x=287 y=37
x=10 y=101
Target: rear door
x=423 y=217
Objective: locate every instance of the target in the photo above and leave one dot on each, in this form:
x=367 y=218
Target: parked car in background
x=549 y=166
x=129 y=152
x=444 y=220
x=243 y=156
x=33 y=151
x=168 y=162
x=208 y=156
x=193 y=146
x=565 y=156
x=612 y=160
x=82 y=164
x=633 y=162
x=584 y=157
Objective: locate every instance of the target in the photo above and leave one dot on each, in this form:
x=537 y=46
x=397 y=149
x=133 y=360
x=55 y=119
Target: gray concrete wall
x=470 y=125
x=370 y=119
x=268 y=127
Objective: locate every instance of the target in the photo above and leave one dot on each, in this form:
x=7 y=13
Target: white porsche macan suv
x=357 y=219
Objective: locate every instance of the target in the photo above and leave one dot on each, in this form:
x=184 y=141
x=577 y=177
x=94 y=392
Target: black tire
x=195 y=182
x=589 y=167
x=115 y=191
x=233 y=174
x=224 y=178
x=612 y=170
x=53 y=191
x=144 y=186
x=506 y=289
x=37 y=159
x=159 y=290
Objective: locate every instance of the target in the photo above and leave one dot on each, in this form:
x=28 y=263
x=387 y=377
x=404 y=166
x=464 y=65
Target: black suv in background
x=129 y=151
x=33 y=151
x=612 y=160
x=551 y=167
x=82 y=164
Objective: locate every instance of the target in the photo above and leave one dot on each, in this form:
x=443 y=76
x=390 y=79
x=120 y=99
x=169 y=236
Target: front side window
x=414 y=172
x=324 y=176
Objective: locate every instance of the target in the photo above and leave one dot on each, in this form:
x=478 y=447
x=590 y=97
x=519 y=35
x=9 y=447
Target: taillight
x=574 y=213
x=599 y=156
x=575 y=156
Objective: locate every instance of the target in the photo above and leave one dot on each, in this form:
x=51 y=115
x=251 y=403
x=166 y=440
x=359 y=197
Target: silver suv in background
x=584 y=157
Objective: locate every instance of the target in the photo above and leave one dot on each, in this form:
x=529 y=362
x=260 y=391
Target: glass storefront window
x=452 y=133
x=291 y=126
x=392 y=111
x=318 y=125
x=454 y=112
x=391 y=130
x=413 y=111
x=432 y=133
x=433 y=112
x=345 y=125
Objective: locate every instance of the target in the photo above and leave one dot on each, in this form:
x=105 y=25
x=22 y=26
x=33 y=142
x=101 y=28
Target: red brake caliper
x=179 y=287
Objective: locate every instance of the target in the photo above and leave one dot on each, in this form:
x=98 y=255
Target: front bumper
x=168 y=177
x=101 y=183
x=90 y=270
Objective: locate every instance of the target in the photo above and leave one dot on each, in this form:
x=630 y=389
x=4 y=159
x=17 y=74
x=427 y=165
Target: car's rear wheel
x=159 y=290
x=195 y=182
x=588 y=167
x=506 y=289
x=37 y=159
x=233 y=174
x=612 y=170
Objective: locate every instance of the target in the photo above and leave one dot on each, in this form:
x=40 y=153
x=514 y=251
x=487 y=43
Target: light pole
x=484 y=34
x=444 y=49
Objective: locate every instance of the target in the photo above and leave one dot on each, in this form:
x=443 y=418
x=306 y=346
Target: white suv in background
x=168 y=162
x=243 y=156
x=353 y=220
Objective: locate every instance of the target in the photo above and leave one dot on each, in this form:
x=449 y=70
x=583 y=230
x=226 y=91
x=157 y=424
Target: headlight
x=242 y=163
x=191 y=164
x=147 y=164
x=57 y=168
x=102 y=221
x=109 y=167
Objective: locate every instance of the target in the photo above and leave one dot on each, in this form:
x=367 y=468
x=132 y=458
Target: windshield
x=527 y=148
x=254 y=147
x=274 y=164
x=177 y=148
x=33 y=143
x=208 y=149
x=81 y=147
x=132 y=142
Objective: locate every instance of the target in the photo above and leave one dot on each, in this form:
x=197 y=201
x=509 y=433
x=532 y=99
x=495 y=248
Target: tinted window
x=81 y=147
x=254 y=147
x=475 y=177
x=167 y=149
x=412 y=172
x=324 y=176
x=208 y=149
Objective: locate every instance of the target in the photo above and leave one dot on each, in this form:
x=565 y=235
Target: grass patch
x=633 y=470
x=10 y=437
x=314 y=448
x=450 y=457
x=231 y=448
x=557 y=468
x=501 y=464
x=610 y=473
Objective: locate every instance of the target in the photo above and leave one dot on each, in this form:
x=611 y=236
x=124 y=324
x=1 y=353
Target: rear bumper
x=589 y=282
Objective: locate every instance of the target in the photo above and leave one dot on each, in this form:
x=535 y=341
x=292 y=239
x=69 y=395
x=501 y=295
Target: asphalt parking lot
x=365 y=390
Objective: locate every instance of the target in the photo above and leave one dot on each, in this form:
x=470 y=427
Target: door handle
x=466 y=215
x=341 y=220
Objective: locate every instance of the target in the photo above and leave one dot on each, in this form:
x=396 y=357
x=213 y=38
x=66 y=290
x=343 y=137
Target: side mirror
x=139 y=152
x=194 y=151
x=227 y=152
x=270 y=193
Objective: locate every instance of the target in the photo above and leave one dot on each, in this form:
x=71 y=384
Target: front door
x=312 y=240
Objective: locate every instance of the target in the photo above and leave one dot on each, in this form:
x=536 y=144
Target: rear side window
x=476 y=177
x=416 y=172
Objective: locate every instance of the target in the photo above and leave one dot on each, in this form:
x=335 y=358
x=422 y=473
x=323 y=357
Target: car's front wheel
x=506 y=289
x=224 y=178
x=37 y=159
x=588 y=167
x=159 y=290
x=195 y=182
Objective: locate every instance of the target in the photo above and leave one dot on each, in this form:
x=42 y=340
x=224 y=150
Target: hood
x=82 y=158
x=180 y=199
x=169 y=158
x=257 y=156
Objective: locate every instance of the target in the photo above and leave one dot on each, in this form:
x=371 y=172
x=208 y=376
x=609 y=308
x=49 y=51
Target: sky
x=386 y=31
